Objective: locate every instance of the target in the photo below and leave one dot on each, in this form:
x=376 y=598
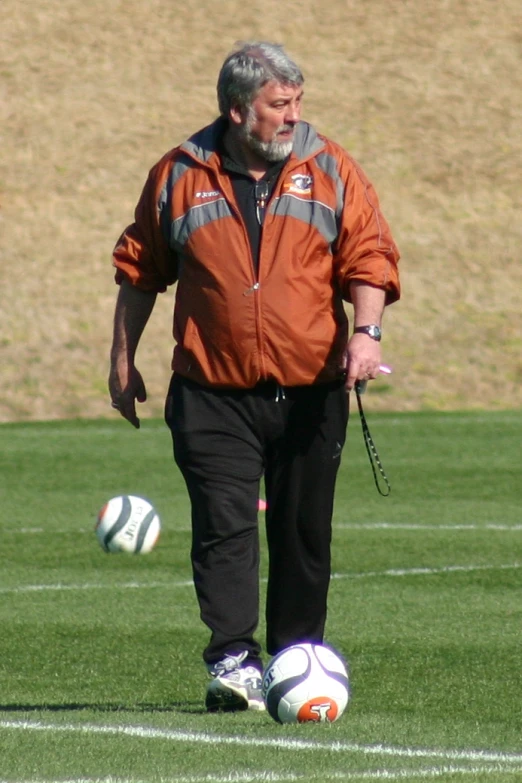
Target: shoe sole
x=228 y=699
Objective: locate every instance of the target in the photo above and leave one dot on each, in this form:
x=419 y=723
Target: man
x=266 y=226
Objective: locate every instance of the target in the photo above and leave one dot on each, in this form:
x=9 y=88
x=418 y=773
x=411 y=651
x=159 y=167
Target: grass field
x=100 y=670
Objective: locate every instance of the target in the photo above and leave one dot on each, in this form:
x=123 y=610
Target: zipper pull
x=261 y=195
x=251 y=290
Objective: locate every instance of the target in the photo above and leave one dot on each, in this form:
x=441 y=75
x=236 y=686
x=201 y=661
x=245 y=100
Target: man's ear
x=237 y=115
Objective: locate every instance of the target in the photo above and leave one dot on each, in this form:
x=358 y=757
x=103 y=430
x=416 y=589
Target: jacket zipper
x=253 y=289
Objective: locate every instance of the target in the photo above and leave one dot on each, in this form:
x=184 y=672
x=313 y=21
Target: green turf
x=100 y=655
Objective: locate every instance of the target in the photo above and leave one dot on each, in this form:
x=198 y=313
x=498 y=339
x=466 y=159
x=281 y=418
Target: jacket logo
x=207 y=193
x=300 y=184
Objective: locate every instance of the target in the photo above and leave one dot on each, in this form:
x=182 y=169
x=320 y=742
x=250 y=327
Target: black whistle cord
x=373 y=455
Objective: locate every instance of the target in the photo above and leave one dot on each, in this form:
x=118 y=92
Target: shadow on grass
x=191 y=707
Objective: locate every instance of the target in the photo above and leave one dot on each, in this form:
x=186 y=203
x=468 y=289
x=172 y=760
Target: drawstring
x=280 y=393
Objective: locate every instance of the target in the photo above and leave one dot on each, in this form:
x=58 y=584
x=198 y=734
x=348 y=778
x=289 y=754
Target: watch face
x=372 y=330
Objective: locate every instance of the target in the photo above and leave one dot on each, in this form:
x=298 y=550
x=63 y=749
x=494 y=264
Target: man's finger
x=353 y=372
x=127 y=410
x=141 y=392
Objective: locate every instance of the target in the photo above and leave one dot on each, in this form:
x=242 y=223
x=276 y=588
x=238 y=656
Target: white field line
x=381 y=774
x=472 y=528
x=404 y=526
x=450 y=421
x=275 y=777
x=172 y=735
x=428 y=571
x=391 y=572
x=94 y=586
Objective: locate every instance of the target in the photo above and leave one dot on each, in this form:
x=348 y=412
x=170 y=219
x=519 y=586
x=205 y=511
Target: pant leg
x=300 y=479
x=221 y=461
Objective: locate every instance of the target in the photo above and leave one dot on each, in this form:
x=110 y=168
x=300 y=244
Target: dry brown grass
x=427 y=96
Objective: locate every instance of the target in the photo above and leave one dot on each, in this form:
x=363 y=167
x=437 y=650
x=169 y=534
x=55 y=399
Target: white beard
x=273 y=150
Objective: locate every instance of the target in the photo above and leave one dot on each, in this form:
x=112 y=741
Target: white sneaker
x=234 y=687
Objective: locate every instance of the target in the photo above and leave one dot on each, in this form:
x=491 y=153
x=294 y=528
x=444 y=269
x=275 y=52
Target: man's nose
x=293 y=113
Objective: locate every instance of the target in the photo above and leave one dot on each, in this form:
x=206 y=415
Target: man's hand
x=125 y=387
x=133 y=309
x=363 y=359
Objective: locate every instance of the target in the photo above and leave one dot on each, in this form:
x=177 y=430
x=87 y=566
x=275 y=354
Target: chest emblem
x=300 y=184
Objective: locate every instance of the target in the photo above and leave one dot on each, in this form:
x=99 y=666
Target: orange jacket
x=323 y=228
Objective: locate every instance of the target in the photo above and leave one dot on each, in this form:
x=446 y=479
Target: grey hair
x=248 y=68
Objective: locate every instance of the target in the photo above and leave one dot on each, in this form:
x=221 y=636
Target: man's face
x=268 y=128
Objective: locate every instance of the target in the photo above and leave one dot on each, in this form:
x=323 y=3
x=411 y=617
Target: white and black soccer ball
x=128 y=523
x=306 y=683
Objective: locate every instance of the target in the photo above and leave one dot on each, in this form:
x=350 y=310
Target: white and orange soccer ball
x=306 y=683
x=128 y=523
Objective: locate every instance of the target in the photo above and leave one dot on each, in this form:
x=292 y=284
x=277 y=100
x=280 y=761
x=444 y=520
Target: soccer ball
x=128 y=524
x=306 y=683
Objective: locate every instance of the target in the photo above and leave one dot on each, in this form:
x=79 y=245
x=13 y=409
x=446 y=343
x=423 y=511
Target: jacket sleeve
x=142 y=254
x=365 y=249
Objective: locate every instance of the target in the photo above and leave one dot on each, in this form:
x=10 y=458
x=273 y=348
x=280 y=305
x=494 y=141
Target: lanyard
x=373 y=456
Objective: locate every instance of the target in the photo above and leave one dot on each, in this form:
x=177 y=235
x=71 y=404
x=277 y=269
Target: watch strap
x=372 y=330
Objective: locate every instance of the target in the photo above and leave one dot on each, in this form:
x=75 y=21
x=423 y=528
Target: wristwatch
x=372 y=330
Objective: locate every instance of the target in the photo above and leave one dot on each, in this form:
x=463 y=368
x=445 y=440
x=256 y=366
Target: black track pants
x=224 y=441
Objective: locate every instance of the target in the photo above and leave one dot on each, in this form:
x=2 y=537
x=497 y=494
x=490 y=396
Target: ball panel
x=120 y=522
x=100 y=525
x=276 y=691
x=101 y=514
x=320 y=709
x=289 y=669
x=331 y=664
x=148 y=533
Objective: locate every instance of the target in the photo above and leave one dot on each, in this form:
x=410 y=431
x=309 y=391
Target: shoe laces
x=228 y=664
